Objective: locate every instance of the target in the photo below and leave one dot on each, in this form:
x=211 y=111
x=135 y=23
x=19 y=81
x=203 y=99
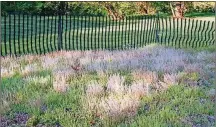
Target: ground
x=150 y=86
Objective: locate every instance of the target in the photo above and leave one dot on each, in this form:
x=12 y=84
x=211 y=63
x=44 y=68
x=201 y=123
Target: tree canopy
x=114 y=9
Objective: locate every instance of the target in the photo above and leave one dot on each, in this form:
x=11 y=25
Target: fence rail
x=22 y=34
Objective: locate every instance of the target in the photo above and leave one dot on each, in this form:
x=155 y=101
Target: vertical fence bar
x=81 y=28
x=122 y=31
x=102 y=33
x=88 y=40
x=180 y=39
x=44 y=26
x=27 y=29
x=211 y=29
x=170 y=28
x=10 y=34
x=74 y=28
x=142 y=31
x=185 y=33
x=18 y=34
x=162 y=31
x=23 y=37
x=84 y=32
x=5 y=39
x=129 y=32
x=135 y=31
x=70 y=34
x=105 y=32
x=201 y=33
x=195 y=31
x=3 y=36
x=155 y=30
x=148 y=29
x=198 y=32
x=192 y=33
x=92 y=28
x=95 y=36
x=173 y=32
x=112 y=35
x=14 y=45
x=125 y=32
x=188 y=29
x=115 y=33
x=36 y=46
x=150 y=26
x=119 y=25
x=65 y=33
x=133 y=38
x=40 y=34
x=109 y=35
x=47 y=38
x=59 y=32
x=77 y=41
x=158 y=28
x=62 y=32
x=177 y=27
x=129 y=17
x=51 y=33
x=152 y=29
x=138 y=33
x=119 y=33
x=145 y=30
x=66 y=26
x=32 y=34
x=99 y=32
x=213 y=32
x=166 y=28
x=55 y=33
x=205 y=41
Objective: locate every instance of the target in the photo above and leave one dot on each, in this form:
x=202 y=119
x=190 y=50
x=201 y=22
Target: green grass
x=200 y=14
x=190 y=14
x=173 y=107
x=165 y=109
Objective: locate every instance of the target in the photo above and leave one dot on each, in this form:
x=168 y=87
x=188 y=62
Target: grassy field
x=37 y=35
x=150 y=86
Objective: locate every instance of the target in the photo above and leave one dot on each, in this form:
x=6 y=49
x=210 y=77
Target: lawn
x=151 y=86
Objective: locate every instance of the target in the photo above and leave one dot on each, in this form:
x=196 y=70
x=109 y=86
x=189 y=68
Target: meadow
x=149 y=86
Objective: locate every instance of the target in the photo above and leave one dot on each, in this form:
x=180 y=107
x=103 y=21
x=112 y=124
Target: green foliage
x=98 y=8
x=86 y=8
x=162 y=6
x=128 y=8
x=25 y=7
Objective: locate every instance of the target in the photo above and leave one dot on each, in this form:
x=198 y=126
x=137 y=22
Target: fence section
x=186 y=32
x=39 y=34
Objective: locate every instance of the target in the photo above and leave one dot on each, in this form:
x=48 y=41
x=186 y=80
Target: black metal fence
x=22 y=34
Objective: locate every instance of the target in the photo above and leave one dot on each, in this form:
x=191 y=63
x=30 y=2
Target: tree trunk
x=179 y=10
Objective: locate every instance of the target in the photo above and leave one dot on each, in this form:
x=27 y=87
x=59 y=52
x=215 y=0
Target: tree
x=113 y=10
x=179 y=9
